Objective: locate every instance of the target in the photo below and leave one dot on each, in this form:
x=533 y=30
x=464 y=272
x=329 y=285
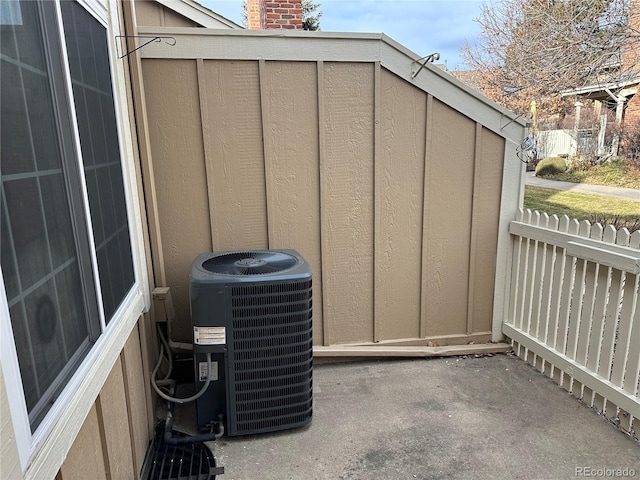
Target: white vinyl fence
x=551 y=143
x=574 y=311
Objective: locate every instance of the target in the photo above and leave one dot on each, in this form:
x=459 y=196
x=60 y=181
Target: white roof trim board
x=210 y=44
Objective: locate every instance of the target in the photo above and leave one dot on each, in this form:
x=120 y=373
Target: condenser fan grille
x=259 y=262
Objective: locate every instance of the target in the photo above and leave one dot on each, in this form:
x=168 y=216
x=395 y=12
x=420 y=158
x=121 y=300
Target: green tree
x=310 y=18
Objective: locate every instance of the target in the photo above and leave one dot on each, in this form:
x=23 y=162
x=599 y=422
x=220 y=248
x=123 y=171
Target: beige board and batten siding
x=179 y=13
x=347 y=192
x=150 y=12
x=293 y=174
x=392 y=194
x=114 y=437
x=175 y=133
x=399 y=202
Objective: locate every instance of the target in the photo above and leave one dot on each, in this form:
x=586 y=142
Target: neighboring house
x=621 y=96
x=117 y=169
x=618 y=89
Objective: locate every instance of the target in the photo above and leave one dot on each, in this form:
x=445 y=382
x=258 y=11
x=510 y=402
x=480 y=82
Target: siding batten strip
x=114 y=425
x=206 y=140
x=127 y=397
x=130 y=404
x=318 y=66
x=103 y=439
x=377 y=186
x=326 y=321
x=267 y=154
x=425 y=213
x=474 y=227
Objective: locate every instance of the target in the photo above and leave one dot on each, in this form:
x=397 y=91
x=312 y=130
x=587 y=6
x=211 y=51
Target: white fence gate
x=574 y=312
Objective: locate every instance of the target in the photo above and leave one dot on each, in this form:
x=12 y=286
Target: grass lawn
x=617 y=173
x=583 y=206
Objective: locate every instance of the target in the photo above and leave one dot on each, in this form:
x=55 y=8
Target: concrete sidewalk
x=439 y=418
x=617 y=192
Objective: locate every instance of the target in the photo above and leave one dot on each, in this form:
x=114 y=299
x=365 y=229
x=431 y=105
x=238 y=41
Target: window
x=65 y=246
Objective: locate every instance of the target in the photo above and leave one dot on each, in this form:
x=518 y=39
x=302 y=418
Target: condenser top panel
x=249 y=266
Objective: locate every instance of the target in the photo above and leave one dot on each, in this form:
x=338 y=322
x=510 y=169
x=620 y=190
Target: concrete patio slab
x=493 y=417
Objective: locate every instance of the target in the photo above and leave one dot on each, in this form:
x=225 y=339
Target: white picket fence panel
x=574 y=312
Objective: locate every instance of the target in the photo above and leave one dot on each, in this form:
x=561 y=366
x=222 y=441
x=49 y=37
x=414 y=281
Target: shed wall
x=391 y=195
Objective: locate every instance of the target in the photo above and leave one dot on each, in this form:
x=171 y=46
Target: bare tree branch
x=533 y=49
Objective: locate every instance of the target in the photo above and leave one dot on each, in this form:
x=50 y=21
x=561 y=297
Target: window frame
x=42 y=451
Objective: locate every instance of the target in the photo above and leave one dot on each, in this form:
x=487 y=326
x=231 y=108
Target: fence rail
x=574 y=312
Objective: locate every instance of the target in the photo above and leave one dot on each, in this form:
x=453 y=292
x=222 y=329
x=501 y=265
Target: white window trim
x=43 y=451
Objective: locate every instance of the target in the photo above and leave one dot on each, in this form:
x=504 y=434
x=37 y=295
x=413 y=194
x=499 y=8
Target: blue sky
x=424 y=26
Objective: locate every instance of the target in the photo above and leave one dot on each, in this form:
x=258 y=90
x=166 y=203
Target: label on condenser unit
x=209 y=336
x=204 y=371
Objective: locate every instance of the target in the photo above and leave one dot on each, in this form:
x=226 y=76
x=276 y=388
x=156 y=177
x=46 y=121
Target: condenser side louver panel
x=268 y=348
x=272 y=351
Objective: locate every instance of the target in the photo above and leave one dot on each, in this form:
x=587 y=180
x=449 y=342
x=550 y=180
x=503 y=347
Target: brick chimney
x=256 y=14
x=262 y=14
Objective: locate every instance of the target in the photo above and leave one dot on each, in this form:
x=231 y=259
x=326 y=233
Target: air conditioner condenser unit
x=252 y=310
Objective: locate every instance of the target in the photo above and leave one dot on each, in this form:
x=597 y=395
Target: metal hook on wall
x=429 y=58
x=152 y=39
